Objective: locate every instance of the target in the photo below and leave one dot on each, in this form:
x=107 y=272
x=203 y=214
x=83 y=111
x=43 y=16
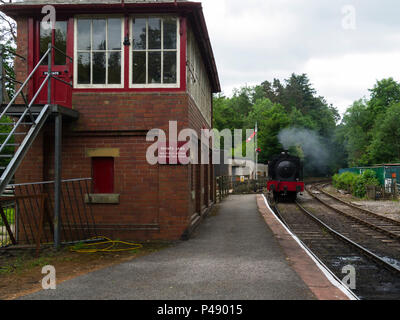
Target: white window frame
x=98 y=86
x=178 y=54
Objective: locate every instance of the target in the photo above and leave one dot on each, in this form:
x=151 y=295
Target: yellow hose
x=110 y=248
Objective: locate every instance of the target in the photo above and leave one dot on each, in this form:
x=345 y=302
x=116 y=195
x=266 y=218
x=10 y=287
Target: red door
x=61 y=65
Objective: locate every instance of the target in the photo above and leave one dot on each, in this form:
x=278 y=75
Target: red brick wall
x=21 y=66
x=160 y=195
x=102 y=111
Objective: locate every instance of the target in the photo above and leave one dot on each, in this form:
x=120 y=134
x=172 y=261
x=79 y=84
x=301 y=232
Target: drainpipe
x=57 y=158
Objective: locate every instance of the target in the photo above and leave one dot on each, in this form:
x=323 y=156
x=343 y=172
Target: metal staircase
x=21 y=123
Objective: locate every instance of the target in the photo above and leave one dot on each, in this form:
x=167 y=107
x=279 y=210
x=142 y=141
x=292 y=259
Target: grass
x=25 y=262
x=10 y=215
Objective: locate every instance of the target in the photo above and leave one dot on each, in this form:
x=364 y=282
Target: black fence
x=27 y=214
x=383 y=193
x=237 y=185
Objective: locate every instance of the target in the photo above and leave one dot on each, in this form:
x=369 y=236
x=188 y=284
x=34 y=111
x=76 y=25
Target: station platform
x=239 y=252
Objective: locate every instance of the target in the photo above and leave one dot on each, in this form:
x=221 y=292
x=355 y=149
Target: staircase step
x=18 y=114
x=15 y=133
x=13 y=124
x=12 y=144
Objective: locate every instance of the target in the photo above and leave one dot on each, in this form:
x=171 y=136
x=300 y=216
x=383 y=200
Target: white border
x=328 y=274
x=98 y=86
x=178 y=55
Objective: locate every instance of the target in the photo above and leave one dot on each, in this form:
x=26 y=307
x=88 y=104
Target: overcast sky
x=344 y=46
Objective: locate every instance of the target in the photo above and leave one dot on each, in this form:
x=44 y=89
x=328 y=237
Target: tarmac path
x=232 y=256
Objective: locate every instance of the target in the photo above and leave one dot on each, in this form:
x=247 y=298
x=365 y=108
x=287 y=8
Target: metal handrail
x=25 y=83
x=28 y=106
x=63 y=53
x=49 y=50
x=21 y=118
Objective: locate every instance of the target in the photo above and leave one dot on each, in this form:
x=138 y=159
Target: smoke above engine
x=310 y=147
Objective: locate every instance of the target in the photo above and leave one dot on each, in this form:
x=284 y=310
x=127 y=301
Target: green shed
x=386 y=173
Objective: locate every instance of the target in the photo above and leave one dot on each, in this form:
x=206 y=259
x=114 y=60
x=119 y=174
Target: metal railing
x=47 y=80
x=226 y=185
x=26 y=217
x=27 y=112
x=222 y=187
x=35 y=127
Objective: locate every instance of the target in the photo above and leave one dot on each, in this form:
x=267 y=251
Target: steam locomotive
x=285 y=177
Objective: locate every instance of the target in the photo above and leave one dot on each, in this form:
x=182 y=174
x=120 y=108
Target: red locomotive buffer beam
x=286 y=186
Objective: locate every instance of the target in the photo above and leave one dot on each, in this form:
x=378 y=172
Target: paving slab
x=232 y=256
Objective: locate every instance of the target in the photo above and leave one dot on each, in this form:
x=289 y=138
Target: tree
x=384 y=94
x=355 y=130
x=271 y=119
x=385 y=146
x=8 y=38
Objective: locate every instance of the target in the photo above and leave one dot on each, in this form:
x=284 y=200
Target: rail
x=26 y=215
x=226 y=185
x=321 y=239
x=362 y=249
x=29 y=105
x=35 y=127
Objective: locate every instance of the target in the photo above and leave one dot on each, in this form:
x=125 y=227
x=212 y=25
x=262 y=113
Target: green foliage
x=10 y=215
x=370 y=131
x=345 y=181
x=354 y=183
x=275 y=106
x=385 y=144
x=8 y=66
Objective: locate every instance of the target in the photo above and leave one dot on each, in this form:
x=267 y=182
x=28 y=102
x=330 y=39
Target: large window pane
x=84 y=34
x=169 y=67
x=114 y=34
x=154 y=67
x=60 y=41
x=154 y=33
x=170 y=31
x=155 y=57
x=45 y=39
x=114 y=68
x=99 y=68
x=99 y=34
x=84 y=68
x=139 y=34
x=139 y=67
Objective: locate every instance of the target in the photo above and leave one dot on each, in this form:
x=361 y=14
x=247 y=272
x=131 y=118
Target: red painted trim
x=70 y=40
x=20 y=9
x=183 y=80
x=31 y=54
x=183 y=35
x=280 y=186
x=192 y=10
x=127 y=49
x=121 y=90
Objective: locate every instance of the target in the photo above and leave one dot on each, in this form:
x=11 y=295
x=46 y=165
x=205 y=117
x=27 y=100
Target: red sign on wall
x=170 y=153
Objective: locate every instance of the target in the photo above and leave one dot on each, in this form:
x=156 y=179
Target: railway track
x=378 y=234
x=375 y=277
x=370 y=219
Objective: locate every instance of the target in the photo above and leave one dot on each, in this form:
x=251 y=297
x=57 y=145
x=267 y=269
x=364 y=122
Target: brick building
x=135 y=66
